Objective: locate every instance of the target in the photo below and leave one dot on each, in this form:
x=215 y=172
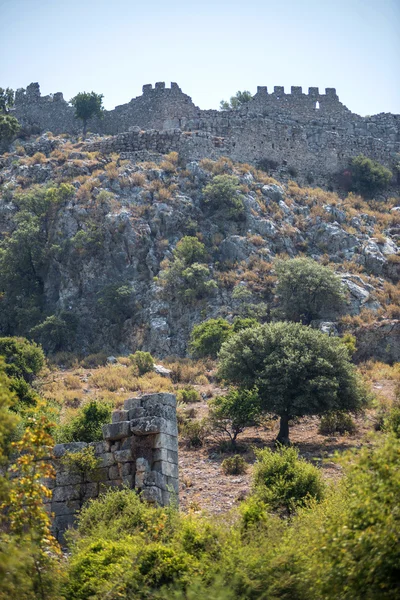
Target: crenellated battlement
x=313 y=131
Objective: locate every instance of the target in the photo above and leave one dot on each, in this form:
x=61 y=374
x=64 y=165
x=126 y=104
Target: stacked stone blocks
x=139 y=451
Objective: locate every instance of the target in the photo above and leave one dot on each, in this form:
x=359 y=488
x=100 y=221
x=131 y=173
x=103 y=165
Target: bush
x=92 y=361
x=283 y=480
x=143 y=361
x=207 y=338
x=368 y=176
x=116 y=303
x=337 y=422
x=305 y=289
x=188 y=394
x=83 y=461
x=234 y=465
x=56 y=332
x=230 y=414
x=194 y=433
x=23 y=359
x=190 y=250
x=222 y=196
x=87 y=426
x=392 y=421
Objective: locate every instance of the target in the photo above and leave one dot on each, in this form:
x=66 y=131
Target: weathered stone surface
x=166 y=468
x=68 y=478
x=132 y=403
x=113 y=472
x=61 y=449
x=155 y=478
x=153 y=495
x=123 y=456
x=165 y=455
x=168 y=442
x=153 y=425
x=106 y=459
x=163 y=371
x=120 y=415
x=116 y=431
x=67 y=492
x=68 y=507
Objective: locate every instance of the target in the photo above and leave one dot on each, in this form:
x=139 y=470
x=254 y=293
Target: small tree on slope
x=297 y=370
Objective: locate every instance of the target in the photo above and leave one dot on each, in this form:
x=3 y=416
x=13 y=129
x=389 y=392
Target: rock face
x=380 y=341
x=110 y=241
x=313 y=134
x=140 y=451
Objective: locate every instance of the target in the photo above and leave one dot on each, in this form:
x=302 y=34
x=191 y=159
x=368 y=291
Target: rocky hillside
x=89 y=256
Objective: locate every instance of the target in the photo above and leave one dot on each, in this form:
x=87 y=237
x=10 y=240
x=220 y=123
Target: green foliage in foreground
x=23 y=359
x=87 y=425
x=298 y=371
x=345 y=545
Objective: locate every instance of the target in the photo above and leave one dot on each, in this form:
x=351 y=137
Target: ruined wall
x=140 y=451
x=313 y=133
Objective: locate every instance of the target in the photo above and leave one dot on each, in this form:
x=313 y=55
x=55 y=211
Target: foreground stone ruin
x=140 y=451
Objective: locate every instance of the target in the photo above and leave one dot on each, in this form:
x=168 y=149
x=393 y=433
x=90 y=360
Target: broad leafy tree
x=298 y=371
x=305 y=288
x=232 y=413
x=87 y=105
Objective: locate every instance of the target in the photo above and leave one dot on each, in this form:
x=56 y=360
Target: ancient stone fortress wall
x=313 y=133
x=140 y=451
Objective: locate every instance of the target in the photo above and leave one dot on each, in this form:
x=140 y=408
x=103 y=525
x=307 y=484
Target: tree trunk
x=283 y=435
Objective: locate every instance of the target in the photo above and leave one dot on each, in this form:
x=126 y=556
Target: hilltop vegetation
x=104 y=253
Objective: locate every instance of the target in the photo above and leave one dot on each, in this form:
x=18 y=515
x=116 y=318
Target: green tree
x=87 y=105
x=368 y=176
x=116 y=302
x=232 y=413
x=298 y=371
x=223 y=195
x=6 y=99
x=9 y=126
x=305 y=288
x=236 y=101
x=207 y=338
x=143 y=361
x=23 y=359
x=190 y=250
x=25 y=257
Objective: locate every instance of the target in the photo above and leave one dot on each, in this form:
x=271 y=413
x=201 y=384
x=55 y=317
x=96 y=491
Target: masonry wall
x=313 y=132
x=140 y=451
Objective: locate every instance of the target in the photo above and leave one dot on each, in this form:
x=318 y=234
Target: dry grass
x=186 y=370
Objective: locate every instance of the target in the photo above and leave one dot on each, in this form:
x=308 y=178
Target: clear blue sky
x=211 y=48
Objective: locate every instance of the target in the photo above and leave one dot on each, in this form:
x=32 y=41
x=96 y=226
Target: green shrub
x=368 y=176
x=194 y=433
x=337 y=422
x=207 y=338
x=56 y=332
x=143 y=361
x=116 y=302
x=240 y=323
x=392 y=421
x=87 y=426
x=23 y=359
x=234 y=465
x=92 y=361
x=188 y=394
x=222 y=195
x=190 y=250
x=82 y=461
x=283 y=480
x=229 y=415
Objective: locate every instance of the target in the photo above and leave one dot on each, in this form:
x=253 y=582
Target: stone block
x=166 y=468
x=173 y=483
x=136 y=413
x=113 y=472
x=120 y=415
x=153 y=495
x=112 y=483
x=142 y=465
x=67 y=492
x=161 y=410
x=164 y=454
x=97 y=475
x=155 y=478
x=65 y=508
x=60 y=449
x=91 y=490
x=139 y=479
x=126 y=469
x=99 y=447
x=116 y=431
x=128 y=481
x=123 y=456
x=132 y=403
x=168 y=442
x=153 y=425
x=63 y=522
x=68 y=478
x=115 y=446
x=107 y=459
x=127 y=443
x=161 y=398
